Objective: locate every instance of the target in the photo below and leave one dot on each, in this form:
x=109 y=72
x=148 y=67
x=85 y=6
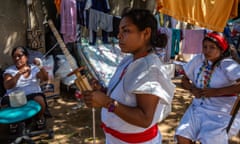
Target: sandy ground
x=74 y=126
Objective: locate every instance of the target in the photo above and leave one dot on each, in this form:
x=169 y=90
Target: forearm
x=43 y=74
x=140 y=115
x=11 y=82
x=233 y=89
x=224 y=91
x=186 y=83
x=133 y=115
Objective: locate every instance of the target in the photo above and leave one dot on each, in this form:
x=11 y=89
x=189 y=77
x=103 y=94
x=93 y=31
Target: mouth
x=206 y=56
x=18 y=63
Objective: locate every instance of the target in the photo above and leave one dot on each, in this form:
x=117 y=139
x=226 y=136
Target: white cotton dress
x=29 y=85
x=206 y=119
x=145 y=75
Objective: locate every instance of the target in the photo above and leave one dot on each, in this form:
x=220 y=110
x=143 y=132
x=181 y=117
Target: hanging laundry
x=103 y=6
x=211 y=14
x=192 y=41
x=98 y=19
x=68 y=16
x=115 y=25
x=176 y=38
x=80 y=12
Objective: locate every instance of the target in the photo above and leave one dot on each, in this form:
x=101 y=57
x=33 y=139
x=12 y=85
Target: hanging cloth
x=211 y=14
x=192 y=41
x=35 y=35
x=68 y=17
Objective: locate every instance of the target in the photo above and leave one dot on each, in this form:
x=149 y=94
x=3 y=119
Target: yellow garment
x=211 y=14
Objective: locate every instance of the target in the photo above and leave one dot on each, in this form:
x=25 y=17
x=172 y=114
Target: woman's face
x=131 y=40
x=19 y=58
x=211 y=51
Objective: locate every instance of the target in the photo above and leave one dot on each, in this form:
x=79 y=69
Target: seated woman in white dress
x=26 y=77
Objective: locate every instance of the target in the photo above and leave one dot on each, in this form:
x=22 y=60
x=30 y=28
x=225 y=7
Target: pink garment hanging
x=192 y=41
x=68 y=16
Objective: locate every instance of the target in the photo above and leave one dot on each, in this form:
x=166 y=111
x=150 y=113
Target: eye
x=18 y=56
x=126 y=30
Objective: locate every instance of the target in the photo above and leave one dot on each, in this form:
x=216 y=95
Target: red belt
x=133 y=137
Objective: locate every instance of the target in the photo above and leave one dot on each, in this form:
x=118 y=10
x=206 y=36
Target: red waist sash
x=133 y=137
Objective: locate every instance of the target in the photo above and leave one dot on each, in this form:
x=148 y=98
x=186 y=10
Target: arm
x=237 y=59
x=42 y=74
x=141 y=115
x=234 y=54
x=10 y=81
x=188 y=85
x=233 y=89
x=97 y=86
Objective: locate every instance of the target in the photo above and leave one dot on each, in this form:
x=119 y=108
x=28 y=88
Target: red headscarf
x=221 y=40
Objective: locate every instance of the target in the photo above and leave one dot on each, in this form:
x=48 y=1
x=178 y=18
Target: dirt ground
x=74 y=126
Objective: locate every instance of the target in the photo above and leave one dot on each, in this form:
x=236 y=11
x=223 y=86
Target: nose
x=120 y=34
x=206 y=50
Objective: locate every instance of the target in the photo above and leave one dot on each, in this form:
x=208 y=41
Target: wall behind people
x=13 y=26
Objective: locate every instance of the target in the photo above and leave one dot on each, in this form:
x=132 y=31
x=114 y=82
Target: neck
x=141 y=54
x=20 y=67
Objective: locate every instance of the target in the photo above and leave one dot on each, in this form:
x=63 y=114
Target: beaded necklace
x=207 y=71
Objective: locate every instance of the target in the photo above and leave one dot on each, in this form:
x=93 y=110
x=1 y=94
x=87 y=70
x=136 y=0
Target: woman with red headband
x=213 y=77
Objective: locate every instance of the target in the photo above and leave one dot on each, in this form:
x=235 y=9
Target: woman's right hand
x=190 y=86
x=186 y=83
x=196 y=92
x=96 y=99
x=97 y=86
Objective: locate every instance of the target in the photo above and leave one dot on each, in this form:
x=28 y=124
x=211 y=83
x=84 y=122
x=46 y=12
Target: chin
x=19 y=65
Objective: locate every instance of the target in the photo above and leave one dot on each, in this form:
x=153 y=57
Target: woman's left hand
x=38 y=62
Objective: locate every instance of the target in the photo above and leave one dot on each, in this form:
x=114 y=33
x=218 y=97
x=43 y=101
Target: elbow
x=45 y=77
x=146 y=123
x=8 y=85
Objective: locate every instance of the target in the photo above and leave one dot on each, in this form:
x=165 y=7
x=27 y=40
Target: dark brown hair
x=143 y=18
x=22 y=49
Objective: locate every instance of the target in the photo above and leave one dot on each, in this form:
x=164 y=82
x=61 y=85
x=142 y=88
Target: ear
x=147 y=33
